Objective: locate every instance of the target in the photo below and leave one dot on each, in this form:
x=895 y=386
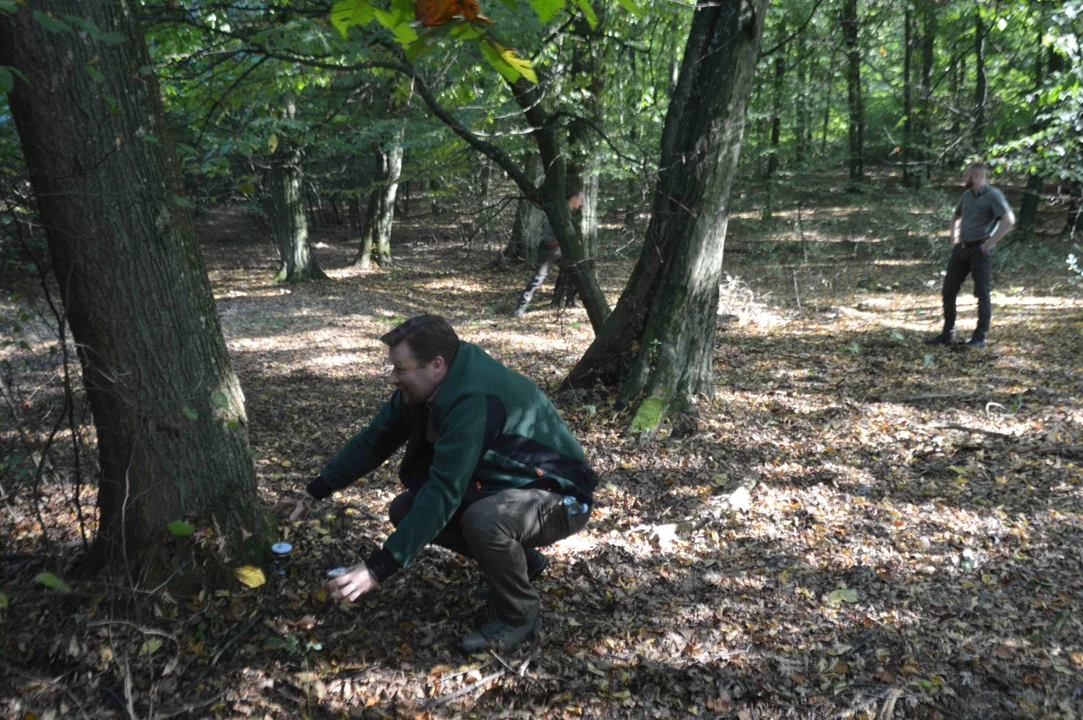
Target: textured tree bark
x=529 y=220
x=298 y=262
x=663 y=328
x=380 y=215
x=853 y=89
x=167 y=406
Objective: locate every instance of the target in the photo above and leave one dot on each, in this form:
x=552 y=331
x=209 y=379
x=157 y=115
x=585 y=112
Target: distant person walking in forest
x=490 y=471
x=981 y=218
x=548 y=254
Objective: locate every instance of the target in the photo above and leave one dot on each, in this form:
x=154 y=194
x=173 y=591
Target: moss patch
x=649 y=415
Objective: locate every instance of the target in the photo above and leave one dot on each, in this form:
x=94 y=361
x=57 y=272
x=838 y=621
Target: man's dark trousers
x=495 y=530
x=969 y=260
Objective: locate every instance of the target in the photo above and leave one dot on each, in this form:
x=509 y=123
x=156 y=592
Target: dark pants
x=548 y=255
x=969 y=261
x=494 y=531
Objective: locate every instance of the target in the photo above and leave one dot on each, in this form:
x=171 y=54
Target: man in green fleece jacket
x=491 y=471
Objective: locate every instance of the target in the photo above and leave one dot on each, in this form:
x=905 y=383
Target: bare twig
x=141 y=628
x=235 y=638
x=444 y=699
x=935 y=396
x=964 y=428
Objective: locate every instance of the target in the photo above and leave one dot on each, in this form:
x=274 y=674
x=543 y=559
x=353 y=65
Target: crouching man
x=490 y=471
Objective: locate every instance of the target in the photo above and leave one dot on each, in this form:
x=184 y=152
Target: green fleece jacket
x=495 y=430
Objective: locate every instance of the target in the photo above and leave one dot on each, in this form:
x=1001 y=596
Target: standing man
x=548 y=254
x=980 y=220
x=491 y=471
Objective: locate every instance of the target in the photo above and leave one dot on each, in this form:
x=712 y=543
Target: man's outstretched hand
x=296 y=508
x=352 y=584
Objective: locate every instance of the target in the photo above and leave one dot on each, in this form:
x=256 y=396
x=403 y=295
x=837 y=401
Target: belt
x=974 y=244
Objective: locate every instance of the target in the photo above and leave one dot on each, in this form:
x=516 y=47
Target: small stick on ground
x=935 y=396
x=444 y=699
x=979 y=431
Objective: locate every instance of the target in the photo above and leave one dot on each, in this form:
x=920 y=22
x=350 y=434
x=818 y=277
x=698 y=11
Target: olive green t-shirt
x=980 y=213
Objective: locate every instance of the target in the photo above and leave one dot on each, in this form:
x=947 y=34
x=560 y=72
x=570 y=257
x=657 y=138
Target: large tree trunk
x=167 y=406
x=663 y=327
x=287 y=211
x=853 y=89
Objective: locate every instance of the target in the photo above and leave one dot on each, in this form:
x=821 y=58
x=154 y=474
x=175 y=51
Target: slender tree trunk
x=298 y=262
x=853 y=89
x=1028 y=206
x=828 y=90
x=582 y=169
x=662 y=330
x=802 y=124
x=956 y=80
x=776 y=135
x=928 y=40
x=529 y=220
x=167 y=406
x=979 y=82
x=908 y=105
x=551 y=196
x=386 y=216
x=380 y=213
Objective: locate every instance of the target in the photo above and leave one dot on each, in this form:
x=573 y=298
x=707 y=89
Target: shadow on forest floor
x=856 y=526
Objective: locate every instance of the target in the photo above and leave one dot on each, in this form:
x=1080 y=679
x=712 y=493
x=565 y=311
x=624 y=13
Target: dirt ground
x=858 y=526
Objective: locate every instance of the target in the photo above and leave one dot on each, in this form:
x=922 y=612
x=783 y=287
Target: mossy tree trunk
x=166 y=404
x=663 y=327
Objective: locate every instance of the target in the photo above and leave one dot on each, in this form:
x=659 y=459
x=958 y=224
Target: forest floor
x=860 y=526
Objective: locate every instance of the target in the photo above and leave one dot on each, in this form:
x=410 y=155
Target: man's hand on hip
x=352 y=584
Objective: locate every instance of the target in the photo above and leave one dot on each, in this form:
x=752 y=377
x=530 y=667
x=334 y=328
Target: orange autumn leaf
x=437 y=12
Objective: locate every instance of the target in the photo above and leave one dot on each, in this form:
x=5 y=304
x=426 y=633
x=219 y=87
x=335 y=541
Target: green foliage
x=50 y=580
x=180 y=528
